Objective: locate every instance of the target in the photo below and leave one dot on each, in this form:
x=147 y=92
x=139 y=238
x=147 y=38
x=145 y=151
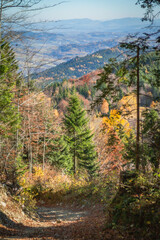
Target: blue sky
x=93 y=9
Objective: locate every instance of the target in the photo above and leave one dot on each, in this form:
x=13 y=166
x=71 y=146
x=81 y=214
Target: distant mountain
x=51 y=49
x=57 y=42
x=76 y=67
x=88 y=25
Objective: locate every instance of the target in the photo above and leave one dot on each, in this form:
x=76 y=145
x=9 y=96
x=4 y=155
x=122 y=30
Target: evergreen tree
x=60 y=154
x=9 y=116
x=151 y=136
x=128 y=77
x=79 y=137
x=8 y=79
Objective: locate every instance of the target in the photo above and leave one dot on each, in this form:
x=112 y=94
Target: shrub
x=136 y=206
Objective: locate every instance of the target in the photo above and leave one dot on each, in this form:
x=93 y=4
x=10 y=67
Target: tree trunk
x=138 y=115
x=75 y=159
x=44 y=149
x=1 y=5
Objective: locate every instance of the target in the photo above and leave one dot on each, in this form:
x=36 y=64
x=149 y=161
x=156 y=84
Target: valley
x=51 y=43
x=79 y=121
x=76 y=67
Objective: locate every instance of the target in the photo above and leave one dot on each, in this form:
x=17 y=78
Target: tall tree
x=59 y=154
x=8 y=79
x=129 y=75
x=9 y=117
x=79 y=137
x=151 y=135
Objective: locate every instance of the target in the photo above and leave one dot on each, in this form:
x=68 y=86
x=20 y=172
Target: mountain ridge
x=76 y=67
x=86 y=24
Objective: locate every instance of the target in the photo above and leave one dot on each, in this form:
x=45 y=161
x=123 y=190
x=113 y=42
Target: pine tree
x=79 y=137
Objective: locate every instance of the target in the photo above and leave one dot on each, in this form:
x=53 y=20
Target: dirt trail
x=60 y=223
x=59 y=214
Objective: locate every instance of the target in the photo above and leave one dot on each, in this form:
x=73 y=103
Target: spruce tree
x=60 y=154
x=8 y=79
x=79 y=137
x=9 y=115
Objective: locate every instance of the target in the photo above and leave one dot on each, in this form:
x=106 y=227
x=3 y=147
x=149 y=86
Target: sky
x=92 y=9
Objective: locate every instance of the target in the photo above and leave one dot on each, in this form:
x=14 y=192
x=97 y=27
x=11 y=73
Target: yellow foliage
x=128 y=104
x=49 y=184
x=55 y=112
x=38 y=172
x=155 y=105
x=22 y=181
x=116 y=120
x=146 y=70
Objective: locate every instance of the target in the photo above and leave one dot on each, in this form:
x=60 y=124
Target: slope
x=76 y=67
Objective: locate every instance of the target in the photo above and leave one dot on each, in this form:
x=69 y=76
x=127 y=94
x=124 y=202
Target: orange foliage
x=63 y=106
x=109 y=144
x=128 y=105
x=89 y=78
x=109 y=154
x=105 y=107
x=85 y=101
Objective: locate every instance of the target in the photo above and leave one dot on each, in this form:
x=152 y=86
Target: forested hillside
x=76 y=67
x=80 y=153
x=51 y=43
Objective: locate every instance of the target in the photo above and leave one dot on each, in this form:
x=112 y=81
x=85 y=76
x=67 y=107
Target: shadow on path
x=59 y=224
x=60 y=214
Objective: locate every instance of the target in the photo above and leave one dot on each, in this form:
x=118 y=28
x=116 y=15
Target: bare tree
x=17 y=14
x=151 y=13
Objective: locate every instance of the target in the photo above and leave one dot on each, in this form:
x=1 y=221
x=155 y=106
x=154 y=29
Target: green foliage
x=79 y=137
x=60 y=155
x=62 y=91
x=80 y=66
x=107 y=84
x=21 y=167
x=151 y=135
x=129 y=149
x=83 y=90
x=26 y=199
x=135 y=207
x=9 y=118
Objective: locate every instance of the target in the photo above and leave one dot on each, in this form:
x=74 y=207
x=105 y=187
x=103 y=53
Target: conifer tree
x=79 y=137
x=60 y=154
x=8 y=80
x=9 y=116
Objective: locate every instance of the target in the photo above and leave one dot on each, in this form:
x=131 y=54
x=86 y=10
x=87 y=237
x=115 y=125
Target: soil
x=59 y=223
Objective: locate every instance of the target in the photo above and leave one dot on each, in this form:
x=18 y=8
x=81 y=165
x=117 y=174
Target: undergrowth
x=52 y=186
x=136 y=207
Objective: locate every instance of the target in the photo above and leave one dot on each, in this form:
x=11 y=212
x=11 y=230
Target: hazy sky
x=93 y=9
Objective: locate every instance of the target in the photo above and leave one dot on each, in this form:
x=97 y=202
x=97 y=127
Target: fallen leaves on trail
x=88 y=227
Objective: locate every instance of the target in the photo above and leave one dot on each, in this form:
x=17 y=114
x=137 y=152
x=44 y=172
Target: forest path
x=60 y=214
x=60 y=223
